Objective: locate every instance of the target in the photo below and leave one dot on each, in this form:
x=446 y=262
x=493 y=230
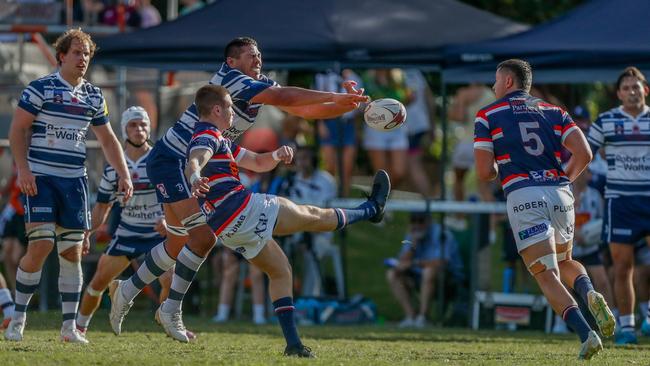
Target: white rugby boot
x=119 y=306
x=173 y=325
x=590 y=347
x=601 y=312
x=72 y=335
x=14 y=331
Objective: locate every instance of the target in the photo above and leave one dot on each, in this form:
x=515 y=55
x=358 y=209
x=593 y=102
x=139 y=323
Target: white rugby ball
x=384 y=114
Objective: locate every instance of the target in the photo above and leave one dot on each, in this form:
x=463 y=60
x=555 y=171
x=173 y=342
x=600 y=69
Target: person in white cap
x=141 y=221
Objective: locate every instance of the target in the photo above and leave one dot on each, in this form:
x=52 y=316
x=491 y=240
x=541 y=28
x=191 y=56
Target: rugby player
x=48 y=143
x=240 y=74
x=519 y=138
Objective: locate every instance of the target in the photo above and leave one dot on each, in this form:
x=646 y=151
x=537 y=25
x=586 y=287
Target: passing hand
x=284 y=154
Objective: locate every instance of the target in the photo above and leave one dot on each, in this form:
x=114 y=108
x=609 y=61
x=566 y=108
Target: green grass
x=143 y=343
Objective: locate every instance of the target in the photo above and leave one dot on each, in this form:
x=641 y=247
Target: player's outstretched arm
x=328 y=110
x=292 y=96
x=19 y=136
x=581 y=154
x=267 y=161
x=197 y=159
x=486 y=167
x=115 y=157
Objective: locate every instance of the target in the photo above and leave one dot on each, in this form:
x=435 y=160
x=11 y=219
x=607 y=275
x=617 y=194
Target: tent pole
x=159 y=85
x=121 y=88
x=443 y=193
x=339 y=162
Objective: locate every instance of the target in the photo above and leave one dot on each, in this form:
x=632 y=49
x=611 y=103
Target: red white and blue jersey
x=62 y=115
x=526 y=135
x=242 y=89
x=227 y=196
x=627 y=150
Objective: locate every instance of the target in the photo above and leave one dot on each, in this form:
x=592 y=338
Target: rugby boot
x=72 y=335
x=601 y=312
x=119 y=306
x=190 y=335
x=645 y=327
x=623 y=338
x=299 y=350
x=590 y=347
x=14 y=331
x=379 y=194
x=172 y=323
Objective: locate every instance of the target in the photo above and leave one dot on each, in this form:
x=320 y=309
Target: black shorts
x=509 y=252
x=592 y=259
x=15 y=228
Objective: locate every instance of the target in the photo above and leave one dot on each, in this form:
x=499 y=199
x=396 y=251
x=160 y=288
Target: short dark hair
x=520 y=70
x=63 y=43
x=630 y=71
x=233 y=49
x=208 y=96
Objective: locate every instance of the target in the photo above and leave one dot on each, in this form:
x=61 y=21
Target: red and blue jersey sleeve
x=482 y=133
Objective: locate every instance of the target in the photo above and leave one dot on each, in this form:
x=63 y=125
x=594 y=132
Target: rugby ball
x=384 y=114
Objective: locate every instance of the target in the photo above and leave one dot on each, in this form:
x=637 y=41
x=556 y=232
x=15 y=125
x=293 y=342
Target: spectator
x=110 y=14
x=313 y=186
x=419 y=264
x=12 y=229
x=338 y=133
x=149 y=15
x=387 y=150
x=190 y=6
x=420 y=129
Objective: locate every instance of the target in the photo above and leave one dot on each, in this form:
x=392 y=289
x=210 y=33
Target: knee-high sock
x=70 y=282
x=155 y=264
x=574 y=319
x=26 y=284
x=582 y=285
x=187 y=264
x=349 y=216
x=284 y=309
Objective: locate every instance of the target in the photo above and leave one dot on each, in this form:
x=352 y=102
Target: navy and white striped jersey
x=526 y=135
x=227 y=196
x=627 y=150
x=62 y=115
x=142 y=212
x=591 y=208
x=242 y=89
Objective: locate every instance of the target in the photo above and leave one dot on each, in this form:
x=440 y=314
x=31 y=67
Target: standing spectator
x=387 y=150
x=338 y=133
x=13 y=231
x=420 y=129
x=420 y=262
x=623 y=133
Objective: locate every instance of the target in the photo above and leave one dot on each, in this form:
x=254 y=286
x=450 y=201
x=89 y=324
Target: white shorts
x=253 y=228
x=396 y=139
x=540 y=213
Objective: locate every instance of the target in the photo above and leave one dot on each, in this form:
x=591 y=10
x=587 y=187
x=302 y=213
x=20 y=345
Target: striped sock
x=70 y=282
x=155 y=264
x=574 y=319
x=349 y=216
x=26 y=284
x=187 y=264
x=6 y=303
x=284 y=310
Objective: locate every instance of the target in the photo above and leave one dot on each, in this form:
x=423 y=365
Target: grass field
x=143 y=343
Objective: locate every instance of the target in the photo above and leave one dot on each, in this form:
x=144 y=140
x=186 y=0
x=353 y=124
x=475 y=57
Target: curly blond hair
x=63 y=43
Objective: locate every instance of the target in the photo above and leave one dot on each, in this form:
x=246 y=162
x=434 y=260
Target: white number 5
x=527 y=136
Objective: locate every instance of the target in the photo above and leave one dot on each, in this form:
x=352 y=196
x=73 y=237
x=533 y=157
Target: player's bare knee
x=545 y=263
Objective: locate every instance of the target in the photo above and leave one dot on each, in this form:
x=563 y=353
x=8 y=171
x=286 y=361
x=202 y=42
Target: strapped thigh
x=193 y=221
x=543 y=263
x=42 y=232
x=68 y=238
x=563 y=250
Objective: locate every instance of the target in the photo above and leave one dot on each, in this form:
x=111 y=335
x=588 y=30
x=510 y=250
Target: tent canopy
x=309 y=34
x=592 y=42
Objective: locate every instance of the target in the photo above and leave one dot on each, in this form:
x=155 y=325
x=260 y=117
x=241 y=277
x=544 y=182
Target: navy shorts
x=626 y=219
x=416 y=141
x=131 y=247
x=591 y=259
x=333 y=136
x=63 y=201
x=166 y=173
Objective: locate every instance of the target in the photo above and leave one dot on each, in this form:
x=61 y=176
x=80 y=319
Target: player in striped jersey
x=141 y=224
x=241 y=75
x=246 y=221
x=624 y=133
x=518 y=138
x=53 y=114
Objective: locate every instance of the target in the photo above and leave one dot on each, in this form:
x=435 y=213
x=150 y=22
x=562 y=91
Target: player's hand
x=349 y=100
x=125 y=188
x=283 y=154
x=26 y=181
x=161 y=227
x=350 y=87
x=200 y=187
x=85 y=245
